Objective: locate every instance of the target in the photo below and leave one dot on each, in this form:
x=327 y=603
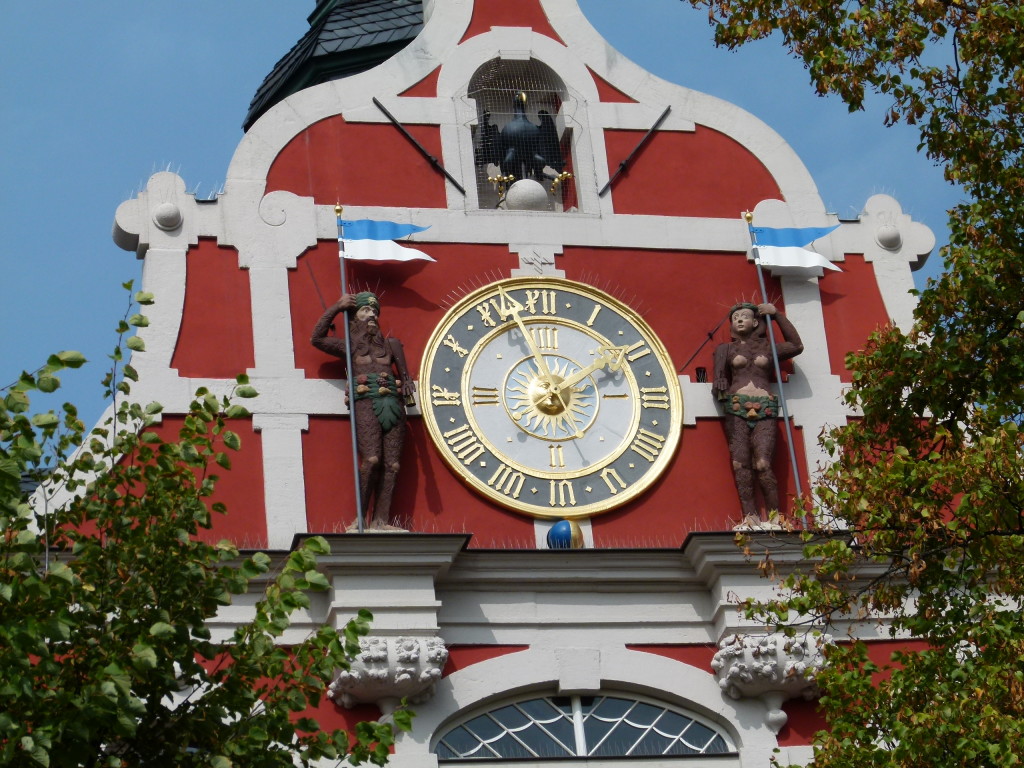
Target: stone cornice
x=421 y=552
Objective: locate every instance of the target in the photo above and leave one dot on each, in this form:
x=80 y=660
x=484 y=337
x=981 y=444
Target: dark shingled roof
x=345 y=37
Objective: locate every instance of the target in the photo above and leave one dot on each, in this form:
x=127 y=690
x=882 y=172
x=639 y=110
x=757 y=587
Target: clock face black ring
x=550 y=397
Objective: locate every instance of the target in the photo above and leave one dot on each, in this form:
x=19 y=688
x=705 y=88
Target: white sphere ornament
x=527 y=195
x=888 y=236
x=167 y=216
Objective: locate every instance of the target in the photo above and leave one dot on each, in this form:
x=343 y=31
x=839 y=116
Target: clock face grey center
x=530 y=417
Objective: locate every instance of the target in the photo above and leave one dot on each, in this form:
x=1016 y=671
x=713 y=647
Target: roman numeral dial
x=551 y=398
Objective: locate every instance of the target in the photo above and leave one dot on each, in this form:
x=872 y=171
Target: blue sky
x=98 y=96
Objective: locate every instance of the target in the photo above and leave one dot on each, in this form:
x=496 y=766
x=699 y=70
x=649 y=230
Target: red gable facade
x=633 y=227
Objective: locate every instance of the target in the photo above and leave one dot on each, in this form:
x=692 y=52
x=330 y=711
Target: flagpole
x=349 y=373
x=749 y=218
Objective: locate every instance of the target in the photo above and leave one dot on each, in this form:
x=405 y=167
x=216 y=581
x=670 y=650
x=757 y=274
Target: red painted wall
x=608 y=92
x=413 y=295
x=425 y=88
x=668 y=288
x=429 y=498
x=853 y=309
x=502 y=13
x=804 y=717
x=683 y=295
x=704 y=173
x=698 y=656
x=804 y=721
x=331 y=715
x=328 y=474
x=697 y=493
x=332 y=161
x=215 y=339
x=462 y=656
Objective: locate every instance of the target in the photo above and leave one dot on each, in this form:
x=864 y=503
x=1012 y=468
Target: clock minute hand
x=510 y=306
x=608 y=356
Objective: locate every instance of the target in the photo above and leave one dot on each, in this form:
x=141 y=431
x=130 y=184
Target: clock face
x=550 y=397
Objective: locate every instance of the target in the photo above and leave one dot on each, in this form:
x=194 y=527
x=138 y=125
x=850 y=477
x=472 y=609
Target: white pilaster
x=273 y=348
x=813 y=393
x=284 y=486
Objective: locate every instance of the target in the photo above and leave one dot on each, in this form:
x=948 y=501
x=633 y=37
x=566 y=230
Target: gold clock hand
x=510 y=306
x=607 y=356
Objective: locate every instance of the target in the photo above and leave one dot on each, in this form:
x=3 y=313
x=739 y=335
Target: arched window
x=551 y=727
x=524 y=127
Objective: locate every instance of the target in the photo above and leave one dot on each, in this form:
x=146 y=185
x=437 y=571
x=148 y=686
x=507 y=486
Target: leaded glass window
x=579 y=726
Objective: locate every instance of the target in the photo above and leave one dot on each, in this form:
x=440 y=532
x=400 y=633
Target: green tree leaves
x=929 y=484
x=106 y=658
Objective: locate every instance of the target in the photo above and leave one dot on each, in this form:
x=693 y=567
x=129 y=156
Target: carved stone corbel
x=389 y=669
x=771 y=667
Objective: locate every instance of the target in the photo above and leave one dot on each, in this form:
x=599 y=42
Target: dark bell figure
x=741 y=379
x=377 y=385
x=524 y=149
x=487 y=143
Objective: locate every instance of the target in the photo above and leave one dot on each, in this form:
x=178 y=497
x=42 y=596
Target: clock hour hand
x=611 y=357
x=510 y=306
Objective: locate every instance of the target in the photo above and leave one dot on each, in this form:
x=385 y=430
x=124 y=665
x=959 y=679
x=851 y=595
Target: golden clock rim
x=644 y=484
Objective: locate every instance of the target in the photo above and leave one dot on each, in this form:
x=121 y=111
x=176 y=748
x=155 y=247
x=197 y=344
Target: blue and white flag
x=784 y=247
x=369 y=240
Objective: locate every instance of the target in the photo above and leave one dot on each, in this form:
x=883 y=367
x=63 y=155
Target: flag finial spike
x=338 y=209
x=748 y=216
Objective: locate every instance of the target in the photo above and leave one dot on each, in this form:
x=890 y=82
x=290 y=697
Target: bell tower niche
x=526 y=118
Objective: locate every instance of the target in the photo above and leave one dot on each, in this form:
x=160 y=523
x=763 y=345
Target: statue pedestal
x=752 y=523
x=367 y=528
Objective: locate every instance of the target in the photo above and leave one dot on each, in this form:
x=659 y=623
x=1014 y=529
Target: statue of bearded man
x=378 y=383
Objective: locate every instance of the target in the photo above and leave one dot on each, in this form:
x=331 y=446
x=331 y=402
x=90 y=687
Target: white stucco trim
x=284 y=485
x=438 y=45
x=895 y=244
x=273 y=348
x=164 y=270
x=813 y=393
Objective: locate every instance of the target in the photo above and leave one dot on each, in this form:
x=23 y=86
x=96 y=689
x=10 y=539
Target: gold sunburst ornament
x=550 y=397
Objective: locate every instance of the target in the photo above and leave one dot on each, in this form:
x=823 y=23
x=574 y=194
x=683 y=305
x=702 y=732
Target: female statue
x=741 y=379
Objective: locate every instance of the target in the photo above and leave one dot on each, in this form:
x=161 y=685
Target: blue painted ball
x=565 y=534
